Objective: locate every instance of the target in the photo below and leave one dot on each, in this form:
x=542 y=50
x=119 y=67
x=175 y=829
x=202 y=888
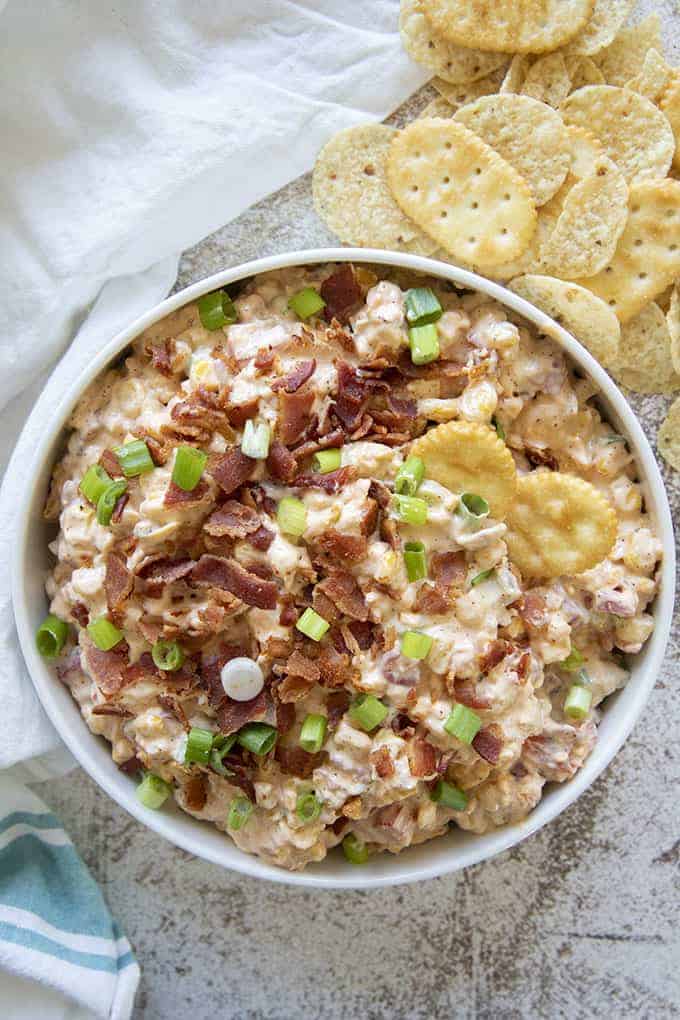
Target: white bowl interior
x=448 y=853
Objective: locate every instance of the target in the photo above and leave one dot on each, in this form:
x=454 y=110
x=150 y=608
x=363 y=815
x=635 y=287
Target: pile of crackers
x=550 y=161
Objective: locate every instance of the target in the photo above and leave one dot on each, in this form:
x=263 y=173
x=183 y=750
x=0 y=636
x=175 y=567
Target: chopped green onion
x=414 y=560
x=583 y=678
x=463 y=723
x=422 y=306
x=104 y=634
x=473 y=508
x=354 y=849
x=308 y=807
x=106 y=503
x=312 y=625
x=291 y=516
x=134 y=458
x=217 y=756
x=306 y=302
x=188 y=467
x=153 y=791
x=415 y=645
x=483 y=575
x=368 y=712
x=573 y=661
x=167 y=655
x=255 y=440
x=216 y=310
x=258 y=737
x=94 y=482
x=614 y=439
x=51 y=636
x=199 y=746
x=224 y=743
x=240 y=811
x=313 y=733
x=449 y=796
x=409 y=476
x=424 y=343
x=411 y=509
x=500 y=431
x=326 y=460
x=578 y=701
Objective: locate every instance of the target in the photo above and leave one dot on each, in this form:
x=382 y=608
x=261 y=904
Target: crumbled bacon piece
x=541 y=458
x=296 y=378
x=118 y=581
x=487 y=743
x=353 y=395
x=209 y=671
x=285 y=717
x=332 y=482
x=239 y=414
x=231 y=469
x=294 y=761
x=164 y=570
x=118 y=508
x=264 y=359
x=80 y=613
x=347 y=548
x=334 y=667
x=295 y=412
x=337 y=704
x=110 y=463
x=369 y=517
x=281 y=462
x=533 y=609
x=432 y=600
x=334 y=438
x=422 y=758
x=302 y=666
x=160 y=357
x=232 y=715
x=381 y=760
x=107 y=669
x=448 y=568
x=380 y=493
x=159 y=450
x=402 y=407
x=342 y=294
x=343 y=590
x=322 y=605
x=523 y=665
x=131 y=765
x=465 y=692
x=174 y=496
x=232 y=519
x=494 y=653
x=403 y=726
x=220 y=572
x=363 y=633
x=196 y=792
x=288 y=614
x=261 y=539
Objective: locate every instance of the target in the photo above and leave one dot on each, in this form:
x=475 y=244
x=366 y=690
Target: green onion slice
x=473 y=508
x=449 y=796
x=188 y=467
x=411 y=509
x=483 y=575
x=94 y=482
x=415 y=645
x=216 y=310
x=409 y=476
x=422 y=306
x=240 y=811
x=414 y=560
x=255 y=440
x=313 y=733
x=463 y=723
x=51 y=636
x=153 y=791
x=291 y=516
x=104 y=634
x=167 y=655
x=424 y=343
x=354 y=849
x=614 y=439
x=326 y=461
x=312 y=625
x=308 y=807
x=578 y=701
x=134 y=458
x=573 y=661
x=216 y=760
x=199 y=746
x=106 y=503
x=368 y=712
x=306 y=302
x=257 y=737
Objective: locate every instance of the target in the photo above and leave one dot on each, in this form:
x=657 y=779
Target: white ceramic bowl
x=439 y=856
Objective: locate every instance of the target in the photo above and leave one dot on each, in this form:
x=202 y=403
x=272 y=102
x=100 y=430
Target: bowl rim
x=351 y=878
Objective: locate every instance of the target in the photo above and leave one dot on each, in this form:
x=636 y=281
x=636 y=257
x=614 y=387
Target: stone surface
x=577 y=921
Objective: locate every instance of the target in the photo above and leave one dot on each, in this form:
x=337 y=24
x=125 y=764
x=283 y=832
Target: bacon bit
x=380 y=493
x=369 y=517
x=448 y=568
x=347 y=548
x=363 y=633
x=209 y=671
x=541 y=458
x=403 y=726
x=324 y=606
x=118 y=581
x=465 y=692
x=352 y=397
x=142 y=669
x=487 y=743
x=293 y=688
x=219 y=572
x=533 y=610
x=382 y=762
x=232 y=519
x=281 y=462
x=232 y=715
x=174 y=496
x=130 y=765
x=403 y=407
x=422 y=758
x=160 y=357
x=110 y=463
x=494 y=653
x=342 y=294
x=164 y=571
x=110 y=710
x=231 y=469
x=335 y=438
x=150 y=629
x=334 y=667
x=432 y=600
x=80 y=613
x=118 y=508
x=343 y=589
x=337 y=704
x=523 y=665
x=296 y=378
x=170 y=702
x=264 y=359
x=363 y=428
x=285 y=717
x=389 y=532
x=295 y=412
x=196 y=792
x=296 y=762
x=338 y=639
x=160 y=451
x=261 y=539
x=239 y=414
x=301 y=665
x=288 y=614
x=107 y=669
x=331 y=483
x=201 y=410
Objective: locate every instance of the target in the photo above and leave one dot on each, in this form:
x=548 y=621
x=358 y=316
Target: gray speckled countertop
x=578 y=921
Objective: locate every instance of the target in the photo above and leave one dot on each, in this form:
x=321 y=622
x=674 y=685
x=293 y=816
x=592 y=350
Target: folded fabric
x=55 y=927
